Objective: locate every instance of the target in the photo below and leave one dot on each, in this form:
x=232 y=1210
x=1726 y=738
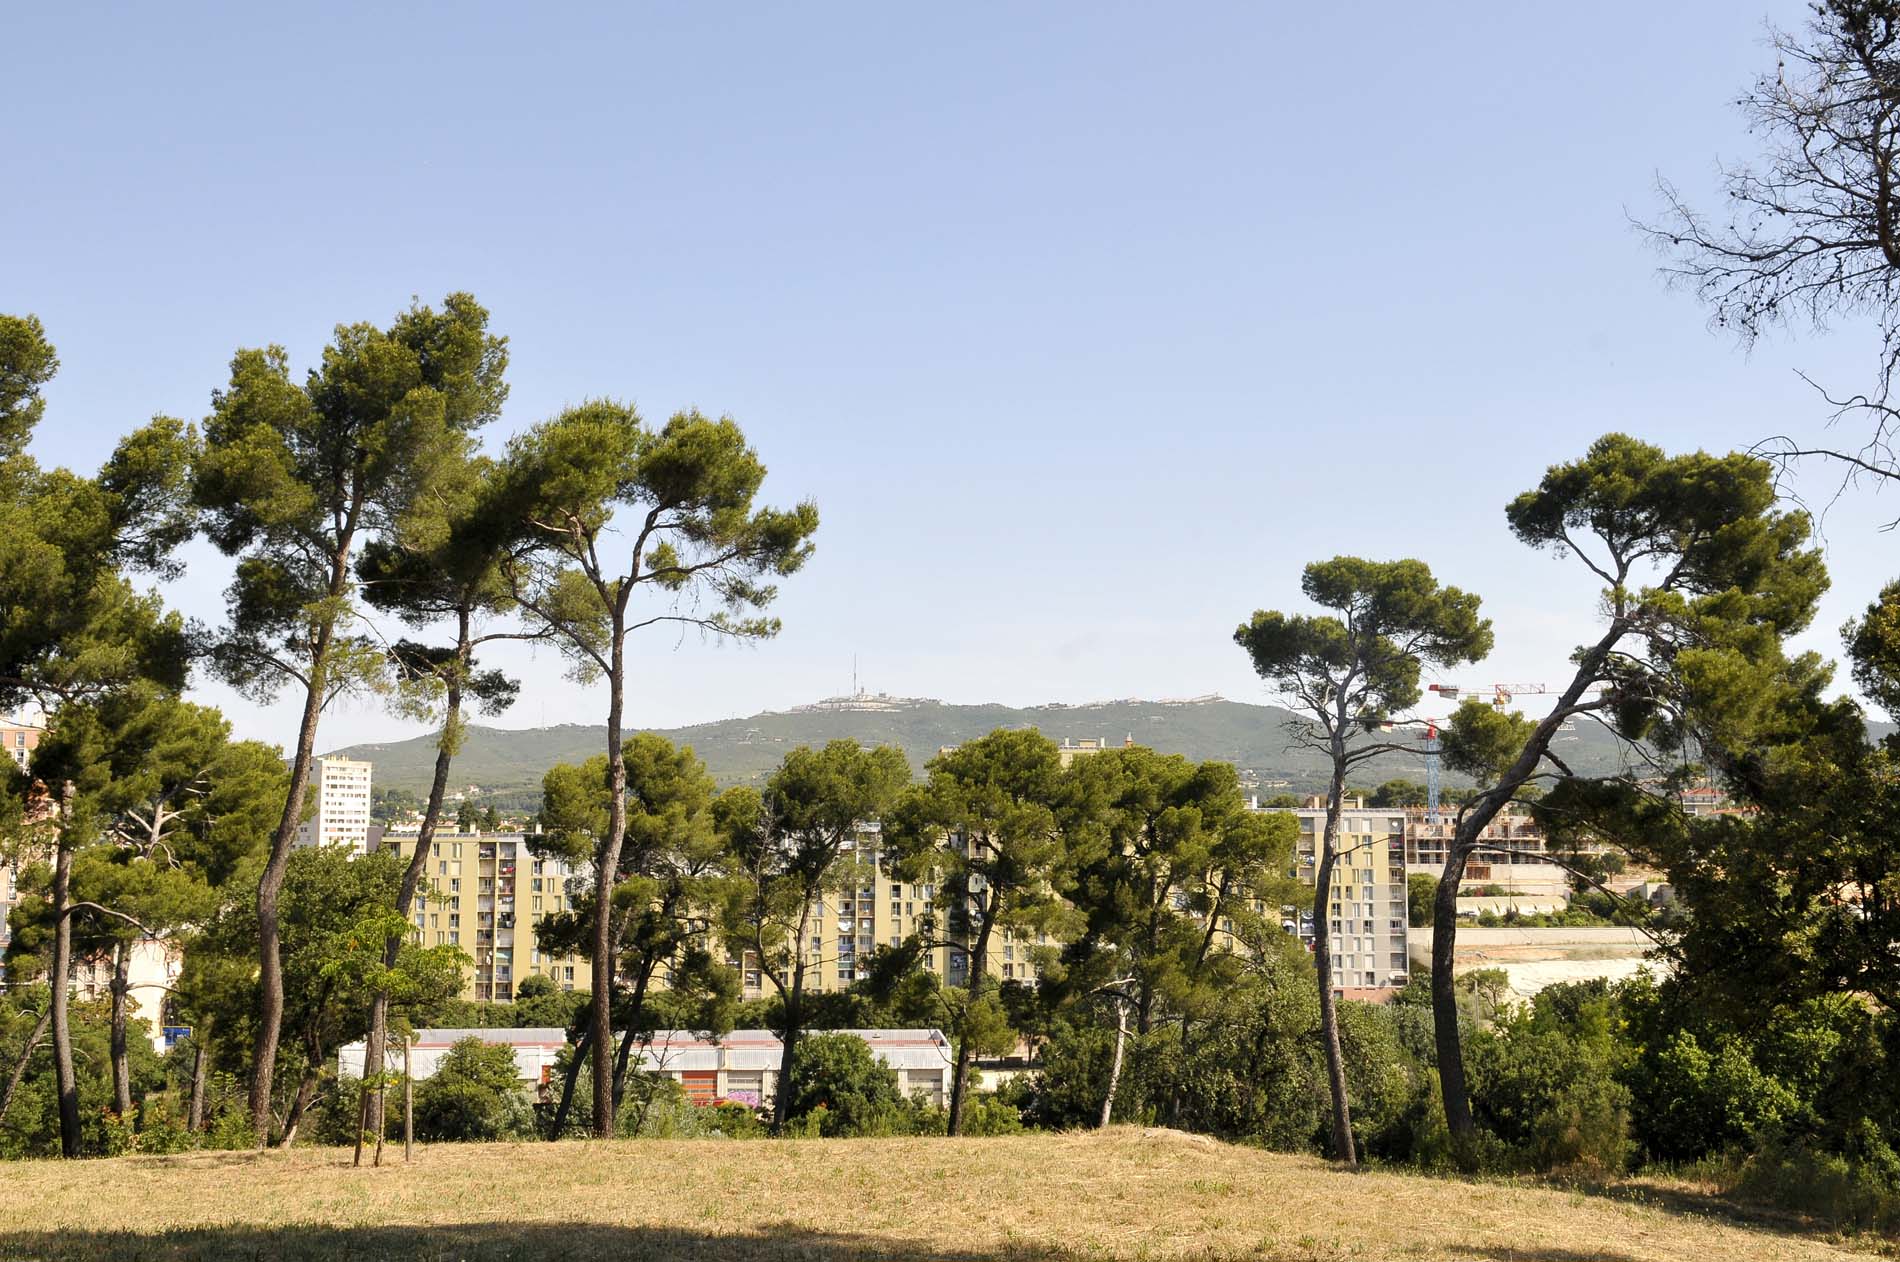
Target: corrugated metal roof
x=509 y=1036
x=761 y=1049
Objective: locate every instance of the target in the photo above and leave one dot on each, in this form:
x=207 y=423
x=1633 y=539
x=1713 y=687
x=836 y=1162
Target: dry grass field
x=1123 y=1194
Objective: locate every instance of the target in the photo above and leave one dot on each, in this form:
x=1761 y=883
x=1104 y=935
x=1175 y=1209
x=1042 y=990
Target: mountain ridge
x=1252 y=736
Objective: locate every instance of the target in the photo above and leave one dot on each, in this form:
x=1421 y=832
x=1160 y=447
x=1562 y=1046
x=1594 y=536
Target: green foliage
x=794 y=844
x=1545 y=1082
x=693 y=483
x=337 y=911
x=667 y=880
x=27 y=362
x=1166 y=864
x=984 y=823
x=1360 y=667
x=473 y=1095
x=71 y=625
x=1483 y=740
x=837 y=1080
x=1399 y=793
x=293 y=478
x=1858 y=1191
x=1420 y=889
x=31 y=1127
x=230 y=1131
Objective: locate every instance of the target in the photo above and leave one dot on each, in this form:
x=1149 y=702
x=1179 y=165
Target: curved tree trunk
x=1445 y=1034
x=558 y=1126
x=1343 y=1150
x=293 y=1117
x=121 y=1058
x=66 y=1082
x=270 y=973
x=979 y=979
x=606 y=872
x=636 y=1019
x=378 y=1037
x=1447 y=1040
x=1115 y=1066
x=26 y=1056
x=306 y=1090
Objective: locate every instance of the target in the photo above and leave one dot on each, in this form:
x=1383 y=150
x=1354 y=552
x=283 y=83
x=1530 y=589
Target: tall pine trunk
x=378 y=1037
x=270 y=972
x=606 y=869
x=121 y=1058
x=195 y=1114
x=979 y=978
x=66 y=1082
x=1343 y=1150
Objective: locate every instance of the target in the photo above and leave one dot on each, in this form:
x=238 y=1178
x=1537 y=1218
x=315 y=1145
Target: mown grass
x=1123 y=1194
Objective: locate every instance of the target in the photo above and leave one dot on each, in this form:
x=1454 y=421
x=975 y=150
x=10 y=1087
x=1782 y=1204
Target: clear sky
x=1086 y=325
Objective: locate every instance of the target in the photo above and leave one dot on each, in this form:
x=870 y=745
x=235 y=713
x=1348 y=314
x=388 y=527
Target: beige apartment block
x=341 y=789
x=875 y=909
x=1367 y=915
x=151 y=971
x=484 y=892
x=18 y=740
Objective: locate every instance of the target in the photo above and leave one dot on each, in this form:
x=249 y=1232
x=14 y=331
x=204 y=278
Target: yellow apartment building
x=1367 y=915
x=874 y=910
x=483 y=893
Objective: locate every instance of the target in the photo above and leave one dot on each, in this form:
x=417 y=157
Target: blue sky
x=1086 y=325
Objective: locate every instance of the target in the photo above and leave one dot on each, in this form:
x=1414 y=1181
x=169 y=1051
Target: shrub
x=1860 y=1191
x=1544 y=1082
x=728 y=1119
x=161 y=1131
x=230 y=1131
x=990 y=1114
x=473 y=1096
x=838 y=1073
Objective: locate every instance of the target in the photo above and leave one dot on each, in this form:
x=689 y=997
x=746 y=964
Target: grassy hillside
x=740 y=751
x=1122 y=1194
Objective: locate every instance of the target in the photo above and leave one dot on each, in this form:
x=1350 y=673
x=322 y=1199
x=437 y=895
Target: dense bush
x=473 y=1095
x=1856 y=1189
x=838 y=1074
x=31 y=1128
x=1544 y=1082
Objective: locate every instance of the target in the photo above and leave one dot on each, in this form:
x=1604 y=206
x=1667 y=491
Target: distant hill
x=744 y=751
